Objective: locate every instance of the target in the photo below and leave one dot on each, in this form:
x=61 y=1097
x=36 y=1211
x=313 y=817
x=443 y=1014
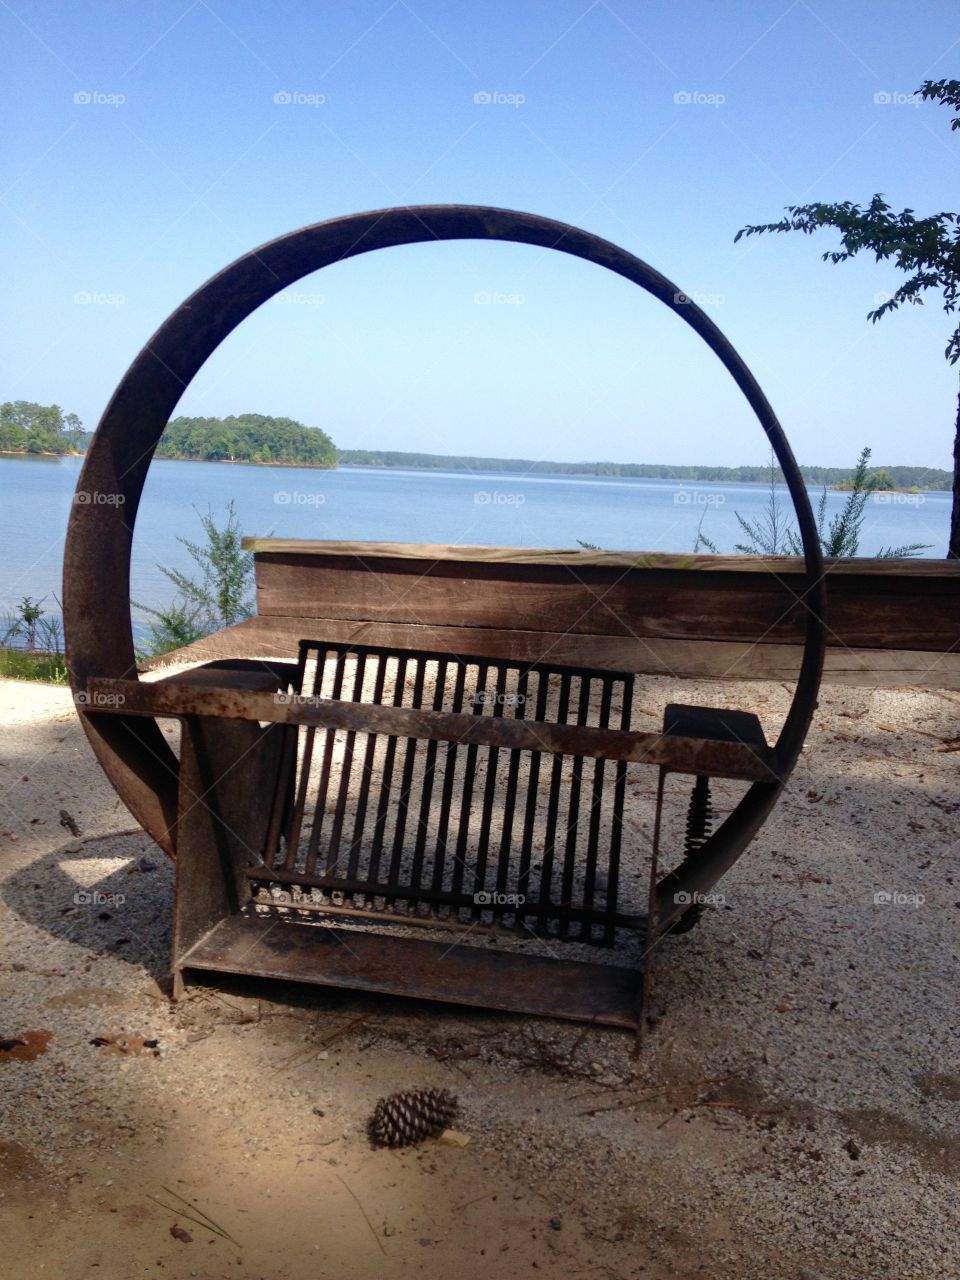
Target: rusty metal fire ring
x=96 y=595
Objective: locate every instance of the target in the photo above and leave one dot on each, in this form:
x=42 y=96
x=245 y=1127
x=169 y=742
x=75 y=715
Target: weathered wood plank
x=577 y=556
x=899 y=611
x=273 y=638
x=683 y=755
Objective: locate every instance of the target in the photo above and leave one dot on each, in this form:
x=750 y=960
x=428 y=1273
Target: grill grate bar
x=596 y=809
x=329 y=738
x=446 y=793
x=530 y=814
x=412 y=749
x=510 y=796
x=429 y=773
x=489 y=790
x=573 y=809
x=542 y=907
x=346 y=769
x=469 y=777
x=366 y=778
x=383 y=804
x=616 y=820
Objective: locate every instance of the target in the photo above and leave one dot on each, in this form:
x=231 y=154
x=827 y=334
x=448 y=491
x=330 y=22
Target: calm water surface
x=402 y=506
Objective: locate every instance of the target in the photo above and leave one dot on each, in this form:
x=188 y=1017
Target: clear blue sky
x=181 y=159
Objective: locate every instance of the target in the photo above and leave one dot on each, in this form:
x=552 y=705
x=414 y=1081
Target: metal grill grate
x=444 y=831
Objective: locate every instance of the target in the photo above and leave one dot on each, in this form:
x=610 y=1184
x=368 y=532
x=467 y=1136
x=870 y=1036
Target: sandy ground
x=795 y=1113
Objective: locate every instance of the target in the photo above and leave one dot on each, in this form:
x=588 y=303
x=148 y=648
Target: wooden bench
x=892 y=622
x=442 y=759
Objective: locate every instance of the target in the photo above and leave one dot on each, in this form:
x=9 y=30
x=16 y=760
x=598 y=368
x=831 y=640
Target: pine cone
x=411 y=1116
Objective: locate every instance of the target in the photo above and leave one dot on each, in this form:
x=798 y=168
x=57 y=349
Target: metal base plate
x=278 y=948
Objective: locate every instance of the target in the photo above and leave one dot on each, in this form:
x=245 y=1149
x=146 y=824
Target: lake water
x=403 y=506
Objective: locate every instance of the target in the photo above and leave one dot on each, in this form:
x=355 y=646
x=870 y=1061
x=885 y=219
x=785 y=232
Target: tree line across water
x=841 y=477
x=31 y=428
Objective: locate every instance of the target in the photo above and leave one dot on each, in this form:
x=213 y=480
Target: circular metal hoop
x=96 y=592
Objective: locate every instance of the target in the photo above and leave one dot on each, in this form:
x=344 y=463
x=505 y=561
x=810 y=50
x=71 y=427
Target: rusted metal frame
x=681 y=755
x=97 y=561
x=461 y=900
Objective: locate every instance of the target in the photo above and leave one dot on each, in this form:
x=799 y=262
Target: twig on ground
x=356 y=1201
x=306 y=1055
x=204 y=1220
x=476 y=1200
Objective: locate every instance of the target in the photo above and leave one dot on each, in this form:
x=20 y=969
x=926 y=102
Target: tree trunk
x=953 y=551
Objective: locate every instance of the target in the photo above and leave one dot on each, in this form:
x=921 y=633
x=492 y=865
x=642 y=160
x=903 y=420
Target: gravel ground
x=795 y=1113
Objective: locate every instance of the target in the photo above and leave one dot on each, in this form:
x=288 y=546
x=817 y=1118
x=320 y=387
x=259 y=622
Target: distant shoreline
x=454 y=465
x=249 y=462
